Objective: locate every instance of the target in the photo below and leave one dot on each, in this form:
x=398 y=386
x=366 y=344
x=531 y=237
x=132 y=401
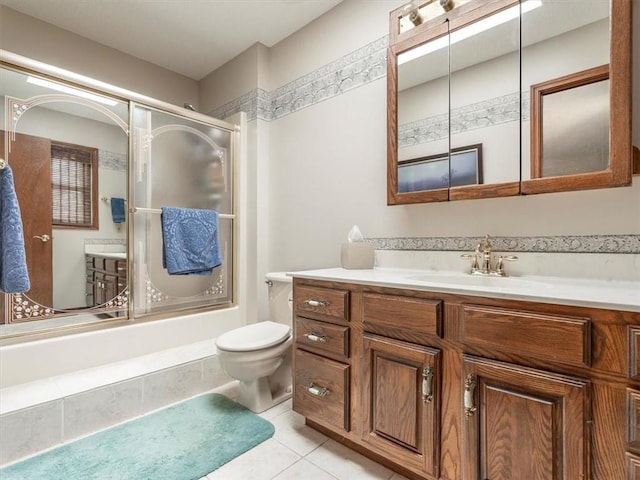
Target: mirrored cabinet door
x=68 y=151
x=485 y=105
x=574 y=76
x=423 y=122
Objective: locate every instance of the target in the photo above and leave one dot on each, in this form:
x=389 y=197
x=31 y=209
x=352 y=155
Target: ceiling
x=190 y=37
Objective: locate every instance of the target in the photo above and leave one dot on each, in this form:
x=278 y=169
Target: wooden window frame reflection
x=92 y=154
x=560 y=84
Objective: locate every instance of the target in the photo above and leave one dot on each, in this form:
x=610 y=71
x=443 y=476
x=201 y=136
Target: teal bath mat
x=182 y=442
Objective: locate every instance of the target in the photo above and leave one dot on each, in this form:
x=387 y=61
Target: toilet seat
x=253 y=337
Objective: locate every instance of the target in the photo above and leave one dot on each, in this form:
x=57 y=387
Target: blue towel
x=190 y=241
x=117 y=210
x=14 y=276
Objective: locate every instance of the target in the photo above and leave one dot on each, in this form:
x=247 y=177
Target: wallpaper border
x=627 y=244
x=353 y=70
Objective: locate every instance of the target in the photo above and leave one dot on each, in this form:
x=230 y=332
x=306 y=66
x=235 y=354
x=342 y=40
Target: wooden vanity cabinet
x=322 y=372
x=106 y=278
x=524 y=423
x=401 y=395
x=517 y=389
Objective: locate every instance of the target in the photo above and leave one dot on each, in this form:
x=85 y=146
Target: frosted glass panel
x=179 y=162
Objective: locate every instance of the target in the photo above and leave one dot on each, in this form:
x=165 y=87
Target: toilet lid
x=253 y=337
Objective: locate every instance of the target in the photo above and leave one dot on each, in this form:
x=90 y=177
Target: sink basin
x=479 y=281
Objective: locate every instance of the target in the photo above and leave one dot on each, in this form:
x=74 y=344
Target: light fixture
x=470 y=30
x=412 y=13
x=70 y=90
x=447 y=5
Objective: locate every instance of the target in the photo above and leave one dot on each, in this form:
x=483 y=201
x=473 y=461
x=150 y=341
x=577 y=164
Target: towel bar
x=157 y=210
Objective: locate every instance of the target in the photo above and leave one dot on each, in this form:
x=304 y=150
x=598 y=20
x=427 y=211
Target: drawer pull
x=316 y=337
x=317 y=391
x=469 y=388
x=427 y=381
x=316 y=303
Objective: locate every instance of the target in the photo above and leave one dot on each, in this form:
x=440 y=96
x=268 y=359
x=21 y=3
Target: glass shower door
x=179 y=162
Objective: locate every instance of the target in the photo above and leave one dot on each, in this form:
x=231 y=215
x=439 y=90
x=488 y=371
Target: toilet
x=259 y=355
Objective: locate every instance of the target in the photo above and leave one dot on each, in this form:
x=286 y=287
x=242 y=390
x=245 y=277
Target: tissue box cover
x=355 y=256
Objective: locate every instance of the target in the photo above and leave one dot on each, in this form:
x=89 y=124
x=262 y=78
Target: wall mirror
x=68 y=150
x=478 y=64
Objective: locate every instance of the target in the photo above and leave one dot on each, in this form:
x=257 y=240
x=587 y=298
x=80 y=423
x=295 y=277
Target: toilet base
x=258 y=396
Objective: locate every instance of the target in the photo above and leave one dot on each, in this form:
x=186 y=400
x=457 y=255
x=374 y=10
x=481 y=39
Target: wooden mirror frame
x=619 y=172
x=549 y=87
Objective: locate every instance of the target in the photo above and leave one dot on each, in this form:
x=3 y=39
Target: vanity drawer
x=405 y=318
x=328 y=304
x=324 y=338
x=552 y=337
x=97 y=263
x=321 y=389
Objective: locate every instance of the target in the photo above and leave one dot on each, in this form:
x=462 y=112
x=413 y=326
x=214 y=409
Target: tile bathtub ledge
x=25 y=395
x=613 y=295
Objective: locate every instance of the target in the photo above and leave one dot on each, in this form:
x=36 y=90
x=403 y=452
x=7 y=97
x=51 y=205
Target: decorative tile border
x=351 y=71
x=627 y=244
x=112 y=160
x=105 y=241
x=487 y=113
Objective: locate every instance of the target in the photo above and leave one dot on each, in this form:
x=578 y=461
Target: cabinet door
x=523 y=423
x=401 y=399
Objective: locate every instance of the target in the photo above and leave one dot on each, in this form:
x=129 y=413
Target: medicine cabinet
x=506 y=97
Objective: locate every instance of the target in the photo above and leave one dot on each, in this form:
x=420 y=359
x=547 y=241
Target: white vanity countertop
x=613 y=295
x=113 y=255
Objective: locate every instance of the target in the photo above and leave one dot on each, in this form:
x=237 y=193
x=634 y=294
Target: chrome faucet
x=484 y=262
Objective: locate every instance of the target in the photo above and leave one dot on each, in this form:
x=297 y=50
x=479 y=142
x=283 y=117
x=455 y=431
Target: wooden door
x=522 y=423
x=30 y=160
x=401 y=402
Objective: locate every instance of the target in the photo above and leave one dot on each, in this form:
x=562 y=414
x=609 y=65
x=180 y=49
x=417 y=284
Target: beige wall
x=46 y=43
x=237 y=77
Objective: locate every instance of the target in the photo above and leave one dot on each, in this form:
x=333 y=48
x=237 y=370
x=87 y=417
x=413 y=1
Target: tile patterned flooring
x=297 y=451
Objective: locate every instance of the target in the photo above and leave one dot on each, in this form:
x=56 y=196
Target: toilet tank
x=280 y=297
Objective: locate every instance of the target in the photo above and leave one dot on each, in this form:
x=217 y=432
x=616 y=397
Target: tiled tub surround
x=44 y=414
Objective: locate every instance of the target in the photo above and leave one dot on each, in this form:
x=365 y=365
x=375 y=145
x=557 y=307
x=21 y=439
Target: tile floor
x=297 y=451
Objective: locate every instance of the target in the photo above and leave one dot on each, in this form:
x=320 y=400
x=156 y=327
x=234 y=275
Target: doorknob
x=45 y=238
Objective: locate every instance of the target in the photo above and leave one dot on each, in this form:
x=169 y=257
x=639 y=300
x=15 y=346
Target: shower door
x=179 y=162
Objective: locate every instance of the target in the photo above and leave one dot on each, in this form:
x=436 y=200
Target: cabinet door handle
x=316 y=337
x=317 y=391
x=427 y=383
x=316 y=303
x=469 y=388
